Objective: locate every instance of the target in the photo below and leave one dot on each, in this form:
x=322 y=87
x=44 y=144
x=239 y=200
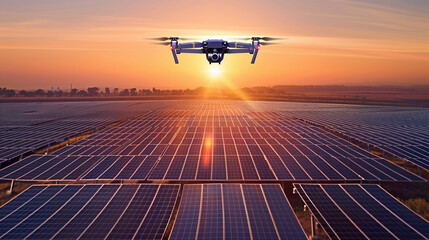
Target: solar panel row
x=21 y=140
x=361 y=211
x=402 y=131
x=27 y=127
x=89 y=211
x=235 y=211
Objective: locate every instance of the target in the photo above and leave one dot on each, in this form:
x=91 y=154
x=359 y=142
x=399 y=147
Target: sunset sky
x=102 y=43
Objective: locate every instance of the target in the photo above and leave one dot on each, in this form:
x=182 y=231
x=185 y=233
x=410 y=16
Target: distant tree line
x=338 y=91
x=97 y=92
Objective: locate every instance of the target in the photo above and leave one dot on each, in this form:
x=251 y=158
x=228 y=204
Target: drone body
x=215 y=49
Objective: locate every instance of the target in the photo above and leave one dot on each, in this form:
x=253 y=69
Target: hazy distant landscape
x=417 y=96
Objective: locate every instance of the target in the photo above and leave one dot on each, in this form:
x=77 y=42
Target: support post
x=313 y=226
x=47 y=151
x=12 y=184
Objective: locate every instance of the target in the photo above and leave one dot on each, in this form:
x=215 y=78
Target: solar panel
x=401 y=131
x=235 y=211
x=352 y=211
x=227 y=141
x=89 y=211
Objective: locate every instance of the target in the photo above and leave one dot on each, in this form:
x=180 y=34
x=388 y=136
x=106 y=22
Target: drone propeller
x=269 y=38
x=163 y=39
x=268 y=43
x=162 y=43
x=263 y=40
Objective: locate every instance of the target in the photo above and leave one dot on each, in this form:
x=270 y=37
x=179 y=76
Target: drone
x=215 y=49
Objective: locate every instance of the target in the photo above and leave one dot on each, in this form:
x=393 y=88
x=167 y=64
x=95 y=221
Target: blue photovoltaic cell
x=58 y=167
x=190 y=167
x=158 y=216
x=161 y=168
x=143 y=171
x=399 y=209
x=83 y=219
x=384 y=216
x=175 y=168
x=263 y=168
x=11 y=220
x=279 y=169
x=79 y=171
x=114 y=170
x=204 y=167
x=48 y=208
x=249 y=171
x=260 y=220
x=362 y=219
x=79 y=161
x=370 y=209
x=235 y=211
x=130 y=221
x=219 y=170
x=310 y=168
x=315 y=212
x=295 y=169
x=130 y=168
x=26 y=168
x=186 y=224
x=211 y=218
x=236 y=225
x=287 y=224
x=233 y=168
x=24 y=197
x=108 y=217
x=58 y=220
x=336 y=219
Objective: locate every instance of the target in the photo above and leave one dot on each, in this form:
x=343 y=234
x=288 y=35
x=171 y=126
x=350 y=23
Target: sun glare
x=214 y=71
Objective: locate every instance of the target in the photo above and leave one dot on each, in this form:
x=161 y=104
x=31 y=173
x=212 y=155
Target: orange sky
x=101 y=43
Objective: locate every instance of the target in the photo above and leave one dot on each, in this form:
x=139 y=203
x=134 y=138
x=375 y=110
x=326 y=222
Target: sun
x=215 y=71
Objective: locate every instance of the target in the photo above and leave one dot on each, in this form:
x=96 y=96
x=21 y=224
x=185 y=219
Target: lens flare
x=214 y=70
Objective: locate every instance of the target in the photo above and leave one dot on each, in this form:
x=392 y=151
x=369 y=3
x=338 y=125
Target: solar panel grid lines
x=333 y=217
x=399 y=131
x=361 y=218
x=320 y=218
x=372 y=210
x=230 y=211
x=245 y=145
x=12 y=221
x=384 y=215
x=94 y=211
x=401 y=211
x=58 y=221
x=108 y=216
x=42 y=218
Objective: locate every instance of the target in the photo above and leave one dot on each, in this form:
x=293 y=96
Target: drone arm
x=175 y=56
x=239 y=45
x=243 y=50
x=255 y=53
x=191 y=45
x=189 y=51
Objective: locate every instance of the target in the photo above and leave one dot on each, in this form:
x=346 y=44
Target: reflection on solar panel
x=235 y=211
x=89 y=211
x=349 y=211
x=216 y=141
